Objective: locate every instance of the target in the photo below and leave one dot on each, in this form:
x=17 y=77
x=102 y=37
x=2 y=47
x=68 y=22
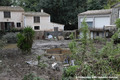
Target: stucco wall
x=15 y=17
x=45 y=24
x=92 y=18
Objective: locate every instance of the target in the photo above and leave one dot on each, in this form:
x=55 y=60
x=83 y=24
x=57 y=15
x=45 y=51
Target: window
x=36 y=19
x=36 y=27
x=7 y=14
x=55 y=28
x=18 y=24
x=90 y=24
x=97 y=34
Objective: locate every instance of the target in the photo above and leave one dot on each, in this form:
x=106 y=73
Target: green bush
x=70 y=71
x=25 y=40
x=10 y=37
x=16 y=30
x=116 y=35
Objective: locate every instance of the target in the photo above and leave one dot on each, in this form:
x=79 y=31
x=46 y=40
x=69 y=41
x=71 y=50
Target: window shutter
x=13 y=25
x=2 y=25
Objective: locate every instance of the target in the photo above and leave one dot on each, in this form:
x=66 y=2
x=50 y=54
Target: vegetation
x=31 y=76
x=91 y=61
x=10 y=37
x=25 y=40
x=41 y=63
x=116 y=35
x=62 y=11
x=2 y=43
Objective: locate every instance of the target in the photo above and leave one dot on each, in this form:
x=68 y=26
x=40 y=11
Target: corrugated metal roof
x=96 y=12
x=10 y=8
x=36 y=14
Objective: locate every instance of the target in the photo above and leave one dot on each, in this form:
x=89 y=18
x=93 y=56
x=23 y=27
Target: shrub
x=10 y=37
x=70 y=71
x=16 y=30
x=116 y=36
x=25 y=39
x=2 y=33
x=99 y=39
x=2 y=43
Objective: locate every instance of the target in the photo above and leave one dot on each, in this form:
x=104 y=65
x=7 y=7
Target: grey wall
x=114 y=15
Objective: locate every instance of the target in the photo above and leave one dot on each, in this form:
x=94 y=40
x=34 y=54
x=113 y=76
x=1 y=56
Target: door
x=9 y=25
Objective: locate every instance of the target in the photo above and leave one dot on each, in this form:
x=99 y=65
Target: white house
x=11 y=17
x=16 y=17
x=40 y=21
x=96 y=20
x=100 y=21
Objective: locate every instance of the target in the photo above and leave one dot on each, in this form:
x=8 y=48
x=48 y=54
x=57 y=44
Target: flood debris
x=19 y=65
x=50 y=37
x=32 y=63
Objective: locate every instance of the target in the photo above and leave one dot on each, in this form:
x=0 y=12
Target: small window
x=97 y=34
x=55 y=28
x=36 y=19
x=7 y=14
x=36 y=27
x=18 y=24
x=90 y=24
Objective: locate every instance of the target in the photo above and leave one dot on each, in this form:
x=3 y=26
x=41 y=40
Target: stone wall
x=114 y=15
x=39 y=35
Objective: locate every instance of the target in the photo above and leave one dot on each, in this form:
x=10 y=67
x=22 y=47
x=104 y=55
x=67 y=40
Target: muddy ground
x=14 y=65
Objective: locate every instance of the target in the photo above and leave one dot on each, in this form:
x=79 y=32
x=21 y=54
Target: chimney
x=42 y=10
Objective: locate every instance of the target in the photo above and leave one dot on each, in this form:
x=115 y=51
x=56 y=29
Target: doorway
x=7 y=25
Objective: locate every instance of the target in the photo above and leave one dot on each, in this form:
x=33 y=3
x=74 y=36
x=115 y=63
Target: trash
x=55 y=66
x=72 y=62
x=66 y=65
x=50 y=37
x=32 y=63
x=53 y=57
x=67 y=60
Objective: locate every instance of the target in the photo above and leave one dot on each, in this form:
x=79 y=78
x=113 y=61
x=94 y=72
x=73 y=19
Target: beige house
x=40 y=21
x=11 y=17
x=16 y=17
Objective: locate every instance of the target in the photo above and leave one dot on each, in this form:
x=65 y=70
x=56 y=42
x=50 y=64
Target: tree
x=110 y=3
x=25 y=40
x=29 y=5
x=96 y=5
x=61 y=11
x=84 y=38
x=5 y=2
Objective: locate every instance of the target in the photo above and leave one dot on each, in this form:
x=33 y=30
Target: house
x=100 y=22
x=40 y=21
x=11 y=17
x=16 y=17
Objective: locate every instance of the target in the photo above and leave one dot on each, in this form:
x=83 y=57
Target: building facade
x=100 y=21
x=11 y=17
x=16 y=17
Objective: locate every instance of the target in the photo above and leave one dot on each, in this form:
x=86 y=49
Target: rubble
x=32 y=63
